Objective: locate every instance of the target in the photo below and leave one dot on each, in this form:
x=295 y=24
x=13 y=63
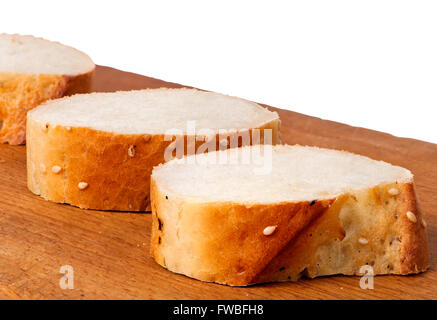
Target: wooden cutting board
x=109 y=250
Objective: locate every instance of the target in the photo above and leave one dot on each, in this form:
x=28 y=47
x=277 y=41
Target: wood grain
x=109 y=250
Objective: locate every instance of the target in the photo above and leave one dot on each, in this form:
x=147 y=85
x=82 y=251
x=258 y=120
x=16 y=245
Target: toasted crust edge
x=14 y=132
x=192 y=254
x=115 y=179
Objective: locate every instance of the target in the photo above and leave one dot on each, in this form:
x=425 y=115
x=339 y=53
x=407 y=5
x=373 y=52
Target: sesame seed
x=82 y=185
x=56 y=169
x=363 y=241
x=42 y=167
x=424 y=223
x=45 y=127
x=393 y=191
x=411 y=216
x=131 y=151
x=68 y=128
x=269 y=230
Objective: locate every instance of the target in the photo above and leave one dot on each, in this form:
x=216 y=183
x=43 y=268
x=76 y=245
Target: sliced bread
x=97 y=150
x=317 y=212
x=33 y=70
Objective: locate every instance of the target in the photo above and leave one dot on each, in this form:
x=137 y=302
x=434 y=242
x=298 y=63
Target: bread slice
x=317 y=212
x=97 y=150
x=33 y=70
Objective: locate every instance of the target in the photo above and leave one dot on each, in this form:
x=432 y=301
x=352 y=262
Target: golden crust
x=224 y=242
x=20 y=93
x=116 y=167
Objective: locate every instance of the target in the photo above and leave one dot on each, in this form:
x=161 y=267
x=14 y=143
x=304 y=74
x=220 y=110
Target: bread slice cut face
x=97 y=151
x=33 y=70
x=311 y=212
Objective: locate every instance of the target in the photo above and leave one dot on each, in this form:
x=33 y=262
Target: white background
x=366 y=63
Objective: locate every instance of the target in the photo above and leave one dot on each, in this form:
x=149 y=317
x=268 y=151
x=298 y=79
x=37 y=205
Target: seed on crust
x=424 y=223
x=68 y=128
x=82 y=185
x=393 y=191
x=56 y=169
x=147 y=138
x=411 y=216
x=131 y=151
x=363 y=241
x=269 y=230
x=42 y=167
x=45 y=127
